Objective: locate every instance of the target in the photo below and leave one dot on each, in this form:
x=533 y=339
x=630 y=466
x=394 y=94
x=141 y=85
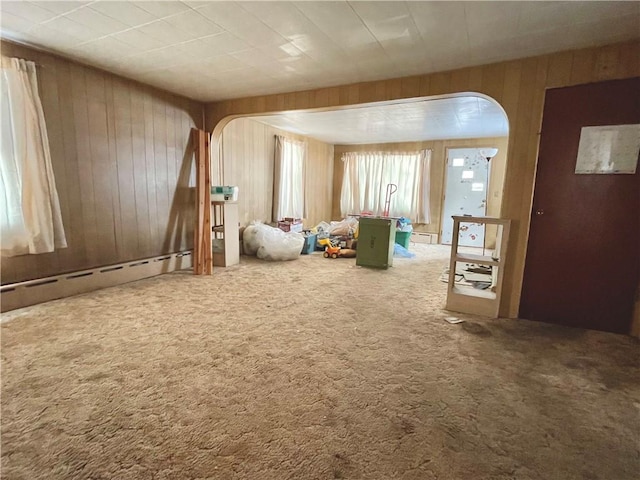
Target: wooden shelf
x=483 y=220
x=467 y=299
x=225 y=234
x=473 y=292
x=479 y=259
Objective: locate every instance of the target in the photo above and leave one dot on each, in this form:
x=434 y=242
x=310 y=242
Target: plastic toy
x=330 y=250
x=335 y=251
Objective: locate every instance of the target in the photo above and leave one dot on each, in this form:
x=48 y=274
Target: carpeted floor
x=311 y=369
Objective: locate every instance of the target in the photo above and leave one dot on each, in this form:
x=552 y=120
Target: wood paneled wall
x=247 y=150
x=439 y=150
x=518 y=85
x=122 y=164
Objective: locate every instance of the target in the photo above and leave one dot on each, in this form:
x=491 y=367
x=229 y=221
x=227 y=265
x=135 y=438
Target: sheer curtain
x=30 y=219
x=367 y=174
x=288 y=179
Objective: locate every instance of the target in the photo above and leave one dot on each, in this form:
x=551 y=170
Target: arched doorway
x=469 y=120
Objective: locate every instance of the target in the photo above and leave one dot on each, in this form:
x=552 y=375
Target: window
x=288 y=179
x=367 y=175
x=30 y=218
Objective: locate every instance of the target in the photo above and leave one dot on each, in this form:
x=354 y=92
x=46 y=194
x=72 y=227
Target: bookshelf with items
x=466 y=298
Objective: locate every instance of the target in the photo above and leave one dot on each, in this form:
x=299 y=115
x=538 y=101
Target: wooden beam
x=206 y=239
x=202 y=261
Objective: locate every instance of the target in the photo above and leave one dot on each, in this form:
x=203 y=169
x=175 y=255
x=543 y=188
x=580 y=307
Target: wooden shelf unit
x=467 y=299
x=225 y=234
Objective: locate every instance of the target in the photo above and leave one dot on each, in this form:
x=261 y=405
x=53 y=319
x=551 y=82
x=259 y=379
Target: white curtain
x=30 y=219
x=288 y=179
x=366 y=176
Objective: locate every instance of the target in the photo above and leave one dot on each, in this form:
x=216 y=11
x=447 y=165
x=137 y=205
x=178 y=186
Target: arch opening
x=242 y=148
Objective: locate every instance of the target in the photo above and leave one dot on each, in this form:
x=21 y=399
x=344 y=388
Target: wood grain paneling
x=518 y=85
x=120 y=154
x=439 y=150
x=247 y=161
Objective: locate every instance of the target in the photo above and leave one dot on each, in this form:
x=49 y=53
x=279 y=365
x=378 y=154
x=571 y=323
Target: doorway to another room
x=466 y=186
x=432 y=125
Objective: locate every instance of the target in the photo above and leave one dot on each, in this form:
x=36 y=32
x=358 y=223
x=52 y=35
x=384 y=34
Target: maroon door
x=583 y=257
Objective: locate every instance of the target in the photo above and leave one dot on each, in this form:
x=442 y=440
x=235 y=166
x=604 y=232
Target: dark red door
x=583 y=256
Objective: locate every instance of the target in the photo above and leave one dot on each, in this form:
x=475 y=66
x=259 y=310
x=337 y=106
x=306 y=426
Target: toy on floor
x=334 y=251
x=330 y=249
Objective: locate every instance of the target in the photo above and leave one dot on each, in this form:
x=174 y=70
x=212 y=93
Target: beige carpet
x=311 y=369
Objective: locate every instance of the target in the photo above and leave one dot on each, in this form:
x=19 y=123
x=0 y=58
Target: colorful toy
x=330 y=250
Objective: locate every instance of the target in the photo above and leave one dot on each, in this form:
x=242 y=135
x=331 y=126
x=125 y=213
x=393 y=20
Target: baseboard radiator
x=32 y=292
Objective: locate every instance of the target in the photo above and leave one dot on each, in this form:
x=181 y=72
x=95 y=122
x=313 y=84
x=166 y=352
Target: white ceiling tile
x=252 y=57
x=372 y=50
x=406 y=121
x=287 y=46
x=278 y=74
x=318 y=46
x=547 y=41
x=333 y=16
x=431 y=17
x=303 y=66
x=96 y=21
x=444 y=44
x=342 y=25
x=257 y=33
x=485 y=13
x=285 y=51
x=108 y=46
x=221 y=63
x=376 y=12
x=67 y=26
x=177 y=70
x=60 y=7
x=238 y=73
x=125 y=12
x=177 y=54
x=196 y=3
x=482 y=51
x=197 y=49
x=161 y=30
x=229 y=15
x=591 y=11
x=233 y=18
x=13 y=24
x=143 y=63
x=162 y=57
x=192 y=23
x=388 y=21
x=485 y=22
x=282 y=17
x=157 y=29
x=162 y=9
x=27 y=10
x=136 y=38
x=54 y=39
x=536 y=18
x=222 y=43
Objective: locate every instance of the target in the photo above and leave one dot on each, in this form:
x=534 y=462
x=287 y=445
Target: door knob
x=540 y=212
